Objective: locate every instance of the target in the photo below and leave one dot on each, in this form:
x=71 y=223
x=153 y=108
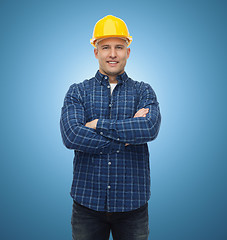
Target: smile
x=112 y=63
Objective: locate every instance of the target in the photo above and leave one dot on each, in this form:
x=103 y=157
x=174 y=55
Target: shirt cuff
x=102 y=127
x=107 y=128
x=117 y=147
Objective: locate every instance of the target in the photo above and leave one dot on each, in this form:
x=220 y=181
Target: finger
x=142 y=111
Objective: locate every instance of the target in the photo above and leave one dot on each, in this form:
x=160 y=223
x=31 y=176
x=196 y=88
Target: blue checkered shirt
x=107 y=175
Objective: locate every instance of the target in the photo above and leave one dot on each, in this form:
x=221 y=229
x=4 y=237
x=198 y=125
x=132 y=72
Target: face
x=112 y=54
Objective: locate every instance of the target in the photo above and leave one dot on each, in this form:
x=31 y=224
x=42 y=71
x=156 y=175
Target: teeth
x=112 y=62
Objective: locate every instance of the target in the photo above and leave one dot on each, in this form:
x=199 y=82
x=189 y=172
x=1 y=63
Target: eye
x=119 y=47
x=106 y=47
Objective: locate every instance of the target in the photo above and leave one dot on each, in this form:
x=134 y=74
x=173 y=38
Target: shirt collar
x=104 y=79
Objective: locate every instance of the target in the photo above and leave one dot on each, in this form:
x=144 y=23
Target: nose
x=113 y=53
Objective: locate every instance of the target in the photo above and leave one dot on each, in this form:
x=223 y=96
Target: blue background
x=179 y=47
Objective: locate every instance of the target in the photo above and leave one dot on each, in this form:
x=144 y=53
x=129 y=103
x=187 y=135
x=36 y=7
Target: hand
x=140 y=113
x=92 y=124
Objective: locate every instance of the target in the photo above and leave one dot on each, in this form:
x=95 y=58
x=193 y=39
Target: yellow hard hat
x=110 y=26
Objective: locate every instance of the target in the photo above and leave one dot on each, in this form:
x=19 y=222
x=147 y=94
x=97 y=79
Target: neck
x=113 y=79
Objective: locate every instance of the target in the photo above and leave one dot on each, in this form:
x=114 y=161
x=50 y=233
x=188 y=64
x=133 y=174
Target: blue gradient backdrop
x=179 y=47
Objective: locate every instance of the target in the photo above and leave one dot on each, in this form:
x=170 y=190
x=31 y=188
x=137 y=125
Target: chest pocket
x=96 y=104
x=89 y=108
x=126 y=104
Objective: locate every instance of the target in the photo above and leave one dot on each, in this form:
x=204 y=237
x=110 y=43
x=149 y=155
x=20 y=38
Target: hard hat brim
x=93 y=41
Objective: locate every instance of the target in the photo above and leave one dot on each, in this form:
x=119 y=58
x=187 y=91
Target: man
x=108 y=121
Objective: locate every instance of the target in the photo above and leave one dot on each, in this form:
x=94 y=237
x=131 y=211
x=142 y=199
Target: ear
x=96 y=52
x=128 y=52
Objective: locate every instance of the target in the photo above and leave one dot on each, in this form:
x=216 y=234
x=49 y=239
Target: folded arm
x=137 y=130
x=76 y=135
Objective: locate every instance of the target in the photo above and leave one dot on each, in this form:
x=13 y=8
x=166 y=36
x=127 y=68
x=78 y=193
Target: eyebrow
x=118 y=45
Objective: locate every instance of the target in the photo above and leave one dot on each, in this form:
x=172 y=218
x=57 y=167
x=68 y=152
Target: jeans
x=88 y=224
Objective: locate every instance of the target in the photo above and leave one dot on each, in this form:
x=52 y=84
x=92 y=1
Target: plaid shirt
x=107 y=175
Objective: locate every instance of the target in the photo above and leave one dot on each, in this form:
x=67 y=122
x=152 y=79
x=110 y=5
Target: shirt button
x=118 y=139
x=101 y=133
x=110 y=105
x=109 y=187
x=109 y=163
x=108 y=86
x=100 y=152
x=105 y=77
x=118 y=151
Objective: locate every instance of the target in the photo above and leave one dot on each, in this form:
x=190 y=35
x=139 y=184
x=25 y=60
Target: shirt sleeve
x=74 y=133
x=138 y=130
